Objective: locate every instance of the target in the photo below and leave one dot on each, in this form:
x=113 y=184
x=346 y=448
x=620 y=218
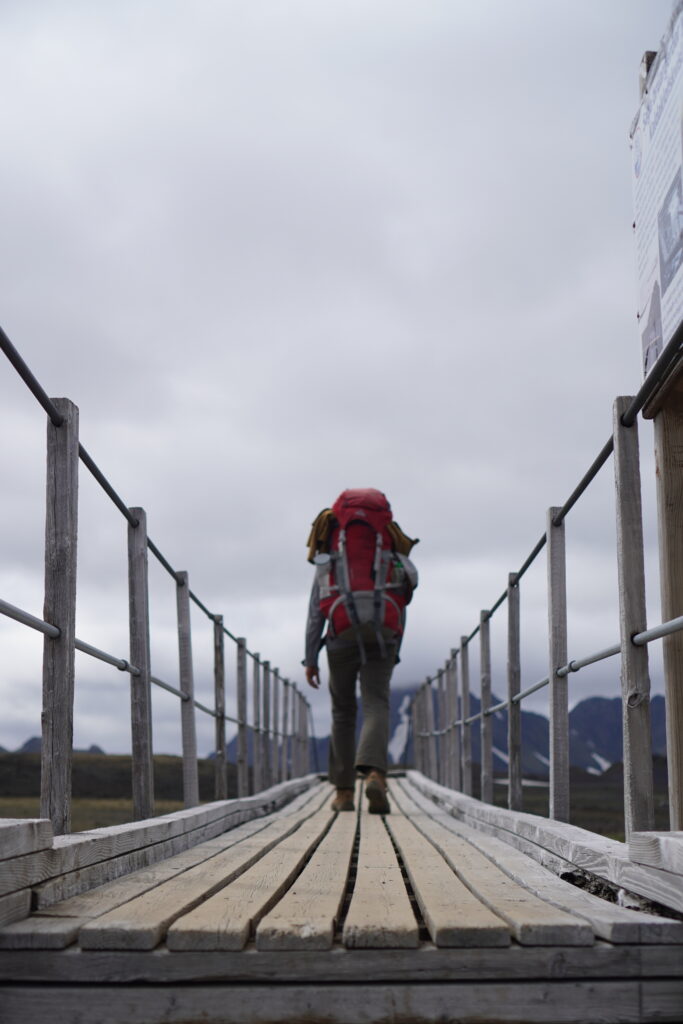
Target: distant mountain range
x=33 y=745
x=595 y=736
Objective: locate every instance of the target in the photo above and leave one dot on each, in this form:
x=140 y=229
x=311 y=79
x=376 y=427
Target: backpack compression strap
x=344 y=584
x=377 y=596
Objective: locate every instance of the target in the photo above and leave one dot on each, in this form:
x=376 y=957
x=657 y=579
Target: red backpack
x=364 y=583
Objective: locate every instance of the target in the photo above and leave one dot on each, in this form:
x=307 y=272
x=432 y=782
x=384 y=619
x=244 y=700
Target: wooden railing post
x=668 y=423
x=301 y=761
x=515 y=798
x=61 y=545
x=297 y=734
x=242 y=740
x=418 y=725
x=465 y=713
x=140 y=686
x=415 y=725
x=449 y=714
x=429 y=723
x=221 y=775
x=256 y=730
x=187 y=715
x=453 y=713
x=276 y=726
x=424 y=740
x=557 y=657
x=306 y=745
x=266 y=744
x=485 y=720
x=635 y=676
x=284 y=751
x=443 y=764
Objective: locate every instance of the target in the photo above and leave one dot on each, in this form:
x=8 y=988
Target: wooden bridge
x=269 y=907
x=276 y=911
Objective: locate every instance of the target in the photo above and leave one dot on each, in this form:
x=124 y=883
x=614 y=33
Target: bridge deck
x=304 y=915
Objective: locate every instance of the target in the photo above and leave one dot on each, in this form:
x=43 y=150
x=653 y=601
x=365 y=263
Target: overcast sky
x=277 y=249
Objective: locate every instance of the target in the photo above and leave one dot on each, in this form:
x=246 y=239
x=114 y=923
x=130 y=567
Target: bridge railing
x=280 y=714
x=441 y=719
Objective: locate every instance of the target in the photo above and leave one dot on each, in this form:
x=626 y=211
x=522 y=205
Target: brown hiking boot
x=343 y=801
x=376 y=792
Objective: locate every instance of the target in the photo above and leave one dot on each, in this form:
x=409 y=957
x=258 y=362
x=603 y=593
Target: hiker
x=363 y=582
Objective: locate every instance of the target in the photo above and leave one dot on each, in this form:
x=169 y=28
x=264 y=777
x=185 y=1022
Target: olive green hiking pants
x=375 y=676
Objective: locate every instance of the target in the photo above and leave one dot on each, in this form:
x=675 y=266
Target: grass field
x=596 y=804
x=86 y=812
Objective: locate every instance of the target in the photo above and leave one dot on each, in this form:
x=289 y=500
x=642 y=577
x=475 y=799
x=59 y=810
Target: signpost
x=657 y=148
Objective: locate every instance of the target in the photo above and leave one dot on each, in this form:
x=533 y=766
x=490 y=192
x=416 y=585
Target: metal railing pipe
x=121 y=663
x=26 y=619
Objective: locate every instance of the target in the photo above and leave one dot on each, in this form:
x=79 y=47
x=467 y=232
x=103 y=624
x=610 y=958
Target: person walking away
x=362 y=584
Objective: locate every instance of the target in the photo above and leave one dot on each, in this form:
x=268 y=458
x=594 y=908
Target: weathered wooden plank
x=568 y=1002
x=639 y=813
x=661 y=1000
x=57 y=927
x=59 y=609
x=380 y=914
x=657 y=849
x=557 y=657
x=74 y=852
x=68 y=884
x=608 y=921
x=305 y=917
x=186 y=671
x=103 y=898
x=24 y=835
x=140 y=685
x=40 y=933
x=226 y=920
x=515 y=798
x=453 y=915
x=534 y=922
x=15 y=906
x=142 y=923
x=485 y=723
x=606 y=858
x=425 y=964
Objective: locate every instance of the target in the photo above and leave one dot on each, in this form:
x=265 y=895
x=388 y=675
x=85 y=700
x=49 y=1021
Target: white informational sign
x=657 y=150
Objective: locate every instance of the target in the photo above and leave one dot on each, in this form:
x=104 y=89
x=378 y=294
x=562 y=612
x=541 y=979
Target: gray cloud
x=275 y=250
